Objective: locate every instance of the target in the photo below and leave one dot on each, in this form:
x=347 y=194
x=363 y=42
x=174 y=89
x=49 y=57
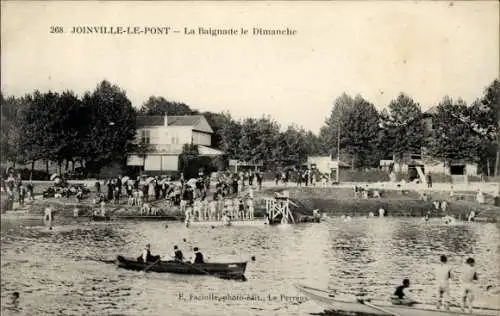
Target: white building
x=165 y=137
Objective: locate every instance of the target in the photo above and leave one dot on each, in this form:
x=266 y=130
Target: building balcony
x=172 y=149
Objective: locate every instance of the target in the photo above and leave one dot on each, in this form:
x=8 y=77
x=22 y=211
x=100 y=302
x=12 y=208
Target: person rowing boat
x=399 y=297
x=178 y=255
x=146 y=255
x=198 y=256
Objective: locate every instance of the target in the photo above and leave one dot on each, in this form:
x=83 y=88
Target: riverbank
x=335 y=200
x=338 y=201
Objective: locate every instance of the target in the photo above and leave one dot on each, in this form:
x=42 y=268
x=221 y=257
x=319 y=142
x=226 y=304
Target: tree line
x=99 y=127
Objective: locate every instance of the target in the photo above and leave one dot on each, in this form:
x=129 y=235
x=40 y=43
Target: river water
x=56 y=274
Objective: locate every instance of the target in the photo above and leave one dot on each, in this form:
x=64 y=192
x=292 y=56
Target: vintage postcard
x=250 y=158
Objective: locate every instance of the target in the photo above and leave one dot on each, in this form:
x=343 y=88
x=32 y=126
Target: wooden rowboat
x=352 y=305
x=233 y=270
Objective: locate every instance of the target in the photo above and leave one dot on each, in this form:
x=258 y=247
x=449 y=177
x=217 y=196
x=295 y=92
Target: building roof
x=149 y=120
x=184 y=120
x=198 y=122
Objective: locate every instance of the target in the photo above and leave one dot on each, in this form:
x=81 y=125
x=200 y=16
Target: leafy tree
x=485 y=118
x=293 y=146
x=453 y=138
x=250 y=140
x=267 y=149
x=11 y=131
x=189 y=161
x=313 y=144
x=159 y=106
x=69 y=128
x=403 y=126
x=217 y=121
x=230 y=134
x=40 y=128
x=334 y=124
x=359 y=133
x=111 y=124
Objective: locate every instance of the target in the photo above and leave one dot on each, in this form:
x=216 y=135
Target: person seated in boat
x=178 y=255
x=399 y=297
x=146 y=255
x=198 y=256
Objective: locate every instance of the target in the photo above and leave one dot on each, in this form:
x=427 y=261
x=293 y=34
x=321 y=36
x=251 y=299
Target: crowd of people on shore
x=232 y=195
x=15 y=189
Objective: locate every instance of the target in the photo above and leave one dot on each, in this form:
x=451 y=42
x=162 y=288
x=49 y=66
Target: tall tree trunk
x=73 y=165
x=32 y=166
x=497 y=161
x=47 y=167
x=59 y=165
x=488 y=167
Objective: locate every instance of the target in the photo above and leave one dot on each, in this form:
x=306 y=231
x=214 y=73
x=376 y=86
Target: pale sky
x=375 y=48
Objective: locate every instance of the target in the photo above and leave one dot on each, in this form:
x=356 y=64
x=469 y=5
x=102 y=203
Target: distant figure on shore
x=480 y=197
x=444 y=206
x=381 y=212
x=48 y=217
x=429 y=180
x=471 y=216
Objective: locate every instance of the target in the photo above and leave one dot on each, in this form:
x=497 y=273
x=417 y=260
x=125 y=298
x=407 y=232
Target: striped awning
x=208 y=151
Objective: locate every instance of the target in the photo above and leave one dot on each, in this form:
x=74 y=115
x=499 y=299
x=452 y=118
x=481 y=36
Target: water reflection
x=55 y=272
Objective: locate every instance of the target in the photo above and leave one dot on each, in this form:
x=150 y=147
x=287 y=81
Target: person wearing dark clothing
x=111 y=189
x=178 y=256
x=198 y=256
x=259 y=180
x=98 y=187
x=399 y=297
x=119 y=186
x=146 y=255
x=145 y=192
x=235 y=185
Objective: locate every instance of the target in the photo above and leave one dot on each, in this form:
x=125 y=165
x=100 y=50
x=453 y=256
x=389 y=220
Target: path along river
x=55 y=275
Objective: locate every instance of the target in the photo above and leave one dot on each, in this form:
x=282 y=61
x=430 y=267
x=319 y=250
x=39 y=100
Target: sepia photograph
x=254 y=158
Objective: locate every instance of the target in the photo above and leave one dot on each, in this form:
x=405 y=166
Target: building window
x=145 y=137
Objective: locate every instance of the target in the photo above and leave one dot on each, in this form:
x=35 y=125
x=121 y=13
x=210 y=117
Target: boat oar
x=314 y=289
x=151 y=265
x=377 y=307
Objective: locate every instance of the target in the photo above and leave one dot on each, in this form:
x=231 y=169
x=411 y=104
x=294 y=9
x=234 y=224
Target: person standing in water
x=48 y=217
x=443 y=276
x=469 y=279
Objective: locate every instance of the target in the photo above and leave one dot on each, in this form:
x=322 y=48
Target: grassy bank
x=341 y=201
x=335 y=201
